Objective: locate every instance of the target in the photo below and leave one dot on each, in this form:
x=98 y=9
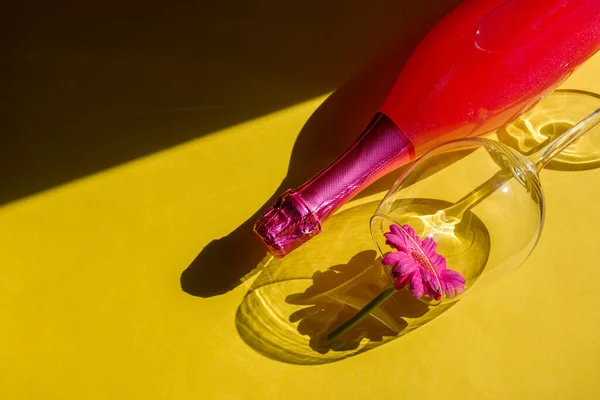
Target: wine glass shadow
x=328 y=132
x=296 y=301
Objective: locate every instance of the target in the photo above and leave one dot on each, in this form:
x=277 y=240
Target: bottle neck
x=297 y=215
x=381 y=148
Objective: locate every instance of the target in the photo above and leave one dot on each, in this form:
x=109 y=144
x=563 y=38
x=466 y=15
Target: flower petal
x=452 y=277
x=438 y=262
x=416 y=284
x=409 y=229
x=396 y=241
x=401 y=282
x=452 y=282
x=393 y=257
x=431 y=285
x=396 y=230
x=405 y=267
x=429 y=245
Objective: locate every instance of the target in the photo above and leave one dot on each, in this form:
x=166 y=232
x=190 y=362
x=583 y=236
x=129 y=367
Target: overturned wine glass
x=464 y=215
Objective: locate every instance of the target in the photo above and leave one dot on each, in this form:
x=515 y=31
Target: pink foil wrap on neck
x=297 y=215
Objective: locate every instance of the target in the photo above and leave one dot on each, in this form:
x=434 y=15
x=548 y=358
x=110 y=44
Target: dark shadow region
x=89 y=85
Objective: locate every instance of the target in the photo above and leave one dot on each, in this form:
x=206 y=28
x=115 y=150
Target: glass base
x=549 y=119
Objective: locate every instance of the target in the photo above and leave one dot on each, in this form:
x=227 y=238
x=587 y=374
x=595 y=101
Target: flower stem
x=362 y=314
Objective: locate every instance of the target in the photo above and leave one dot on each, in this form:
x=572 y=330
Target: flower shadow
x=295 y=302
x=339 y=292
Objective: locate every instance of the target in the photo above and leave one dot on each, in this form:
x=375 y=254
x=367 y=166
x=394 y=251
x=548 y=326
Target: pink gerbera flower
x=417 y=264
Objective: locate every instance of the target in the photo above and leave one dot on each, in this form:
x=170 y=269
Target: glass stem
x=540 y=158
x=469 y=201
x=543 y=156
x=362 y=314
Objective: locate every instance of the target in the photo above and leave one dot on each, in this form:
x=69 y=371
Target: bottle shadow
x=330 y=129
x=327 y=133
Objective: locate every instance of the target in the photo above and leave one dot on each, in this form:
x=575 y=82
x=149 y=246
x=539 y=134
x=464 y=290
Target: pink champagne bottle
x=483 y=65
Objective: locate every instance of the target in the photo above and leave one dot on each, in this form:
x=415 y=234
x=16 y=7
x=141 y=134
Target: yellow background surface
x=92 y=306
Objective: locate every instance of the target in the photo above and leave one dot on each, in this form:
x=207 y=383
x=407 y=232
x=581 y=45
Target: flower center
x=422 y=260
